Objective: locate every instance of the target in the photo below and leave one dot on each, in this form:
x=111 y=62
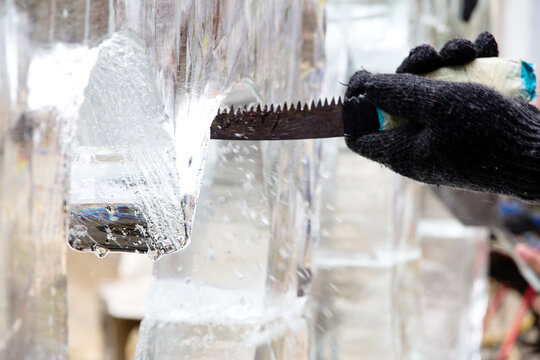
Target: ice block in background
x=450 y=282
x=44 y=68
x=453 y=290
x=363 y=295
x=437 y=21
x=369 y=258
x=234 y=292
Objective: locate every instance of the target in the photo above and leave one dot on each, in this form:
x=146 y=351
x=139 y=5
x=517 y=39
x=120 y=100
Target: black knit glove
x=462 y=135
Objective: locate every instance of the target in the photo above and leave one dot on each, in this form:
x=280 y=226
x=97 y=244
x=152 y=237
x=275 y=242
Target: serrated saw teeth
x=279 y=122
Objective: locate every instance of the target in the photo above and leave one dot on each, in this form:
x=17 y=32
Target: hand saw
x=325 y=120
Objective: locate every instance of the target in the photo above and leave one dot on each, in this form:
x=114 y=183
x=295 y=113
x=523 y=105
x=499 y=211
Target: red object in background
x=495 y=303
x=513 y=332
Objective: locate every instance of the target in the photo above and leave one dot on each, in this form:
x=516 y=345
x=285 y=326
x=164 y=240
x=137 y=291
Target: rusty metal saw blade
x=319 y=120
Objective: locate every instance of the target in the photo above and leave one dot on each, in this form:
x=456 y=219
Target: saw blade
x=318 y=120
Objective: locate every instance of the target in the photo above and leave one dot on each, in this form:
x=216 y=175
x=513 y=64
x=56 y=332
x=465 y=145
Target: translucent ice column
x=237 y=291
x=453 y=263
x=363 y=294
x=43 y=70
x=372 y=275
x=453 y=290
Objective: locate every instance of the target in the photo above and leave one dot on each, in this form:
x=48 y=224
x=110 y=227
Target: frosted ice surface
x=57 y=78
x=122 y=104
x=126 y=183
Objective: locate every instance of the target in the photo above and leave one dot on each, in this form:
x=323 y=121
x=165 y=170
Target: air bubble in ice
x=111 y=210
x=110 y=235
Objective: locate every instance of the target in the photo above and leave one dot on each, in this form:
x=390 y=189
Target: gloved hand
x=462 y=135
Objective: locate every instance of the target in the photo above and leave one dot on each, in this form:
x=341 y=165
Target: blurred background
x=299 y=250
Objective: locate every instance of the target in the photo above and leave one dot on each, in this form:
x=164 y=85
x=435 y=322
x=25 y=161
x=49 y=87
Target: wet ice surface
x=126 y=191
x=233 y=293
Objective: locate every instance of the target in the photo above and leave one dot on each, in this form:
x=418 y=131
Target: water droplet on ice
x=100 y=251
